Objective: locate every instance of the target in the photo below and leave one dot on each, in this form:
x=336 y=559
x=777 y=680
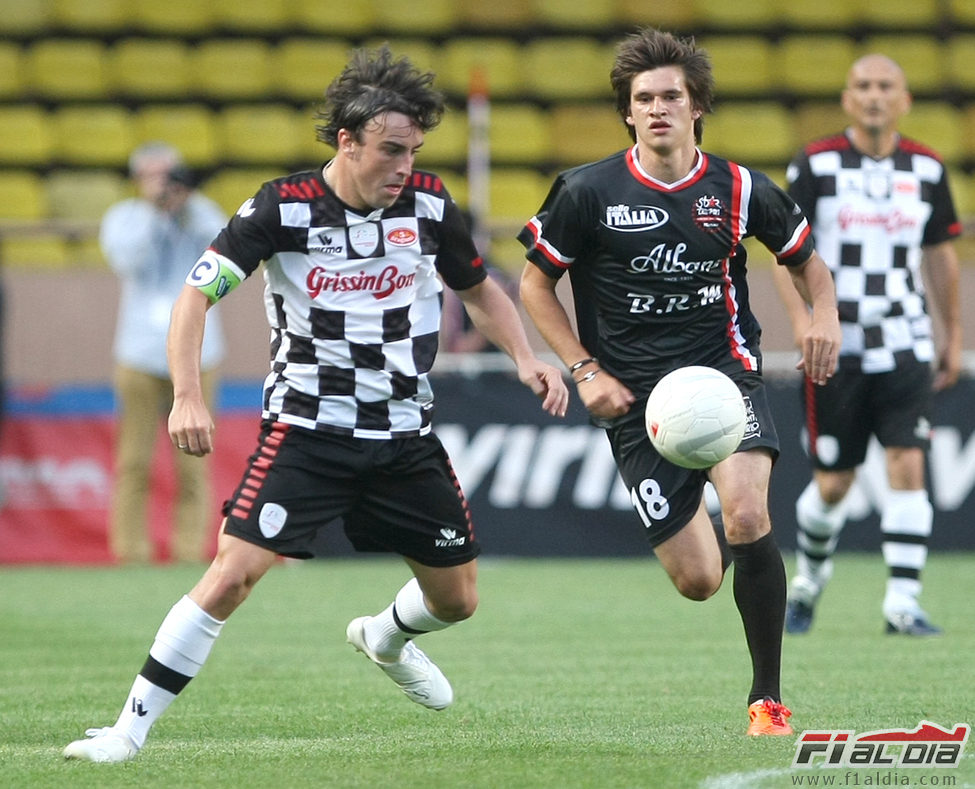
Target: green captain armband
x=214 y=275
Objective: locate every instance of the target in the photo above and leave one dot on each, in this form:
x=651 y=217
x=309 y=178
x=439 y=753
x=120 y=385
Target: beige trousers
x=144 y=402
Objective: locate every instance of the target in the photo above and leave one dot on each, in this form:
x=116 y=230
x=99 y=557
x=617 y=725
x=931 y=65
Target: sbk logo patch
x=927 y=746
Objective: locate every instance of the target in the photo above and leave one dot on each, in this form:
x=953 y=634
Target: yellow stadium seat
x=820 y=14
x=586 y=132
x=415 y=17
x=755 y=134
x=84 y=194
x=67 y=68
x=257 y=17
x=920 y=56
x=816 y=119
x=231 y=69
x=901 y=14
x=963 y=193
x=91 y=16
x=498 y=16
x=815 y=66
x=303 y=67
x=583 y=15
x=422 y=52
x=679 y=16
x=173 y=17
x=518 y=134
x=567 y=67
x=188 y=127
x=444 y=146
x=260 y=134
x=960 y=61
x=231 y=186
x=12 y=83
x=751 y=14
x=333 y=17
x=35 y=251
x=939 y=125
x=500 y=59
x=743 y=64
x=24 y=17
x=93 y=135
x=516 y=194
x=26 y=136
x=151 y=68
x=22 y=195
x=961 y=12
x=968 y=129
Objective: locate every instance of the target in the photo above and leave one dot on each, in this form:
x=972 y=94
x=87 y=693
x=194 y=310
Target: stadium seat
x=22 y=195
x=444 y=146
x=260 y=134
x=756 y=134
x=516 y=194
x=423 y=52
x=500 y=58
x=963 y=193
x=188 y=127
x=86 y=16
x=575 y=15
x=743 y=64
x=414 y=17
x=961 y=12
x=939 y=125
x=150 y=68
x=815 y=15
x=252 y=17
x=24 y=18
x=586 y=132
x=754 y=15
x=574 y=68
x=968 y=129
x=959 y=56
x=84 y=194
x=303 y=67
x=232 y=69
x=901 y=14
x=519 y=134
x=35 y=251
x=498 y=16
x=63 y=69
x=920 y=56
x=231 y=186
x=814 y=77
x=815 y=119
x=173 y=17
x=677 y=15
x=12 y=83
x=333 y=17
x=97 y=135
x=26 y=135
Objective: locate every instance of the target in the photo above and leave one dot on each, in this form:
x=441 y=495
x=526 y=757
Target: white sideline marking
x=742 y=780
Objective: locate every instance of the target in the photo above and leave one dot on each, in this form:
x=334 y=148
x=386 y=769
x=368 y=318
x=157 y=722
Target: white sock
x=181 y=647
x=820 y=525
x=906 y=526
x=408 y=616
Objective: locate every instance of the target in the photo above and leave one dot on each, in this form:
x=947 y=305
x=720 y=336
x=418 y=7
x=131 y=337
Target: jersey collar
x=637 y=171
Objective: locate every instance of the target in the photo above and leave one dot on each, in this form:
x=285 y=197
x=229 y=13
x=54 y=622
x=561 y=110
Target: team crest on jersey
x=710 y=213
x=364 y=238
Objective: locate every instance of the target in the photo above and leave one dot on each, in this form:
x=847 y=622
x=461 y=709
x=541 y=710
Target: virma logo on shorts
x=450 y=539
x=927 y=746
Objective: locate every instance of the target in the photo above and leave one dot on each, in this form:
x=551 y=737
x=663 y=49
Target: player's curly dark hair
x=373 y=83
x=649 y=48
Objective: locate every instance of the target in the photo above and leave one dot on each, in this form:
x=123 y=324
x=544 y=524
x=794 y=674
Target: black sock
x=760 y=590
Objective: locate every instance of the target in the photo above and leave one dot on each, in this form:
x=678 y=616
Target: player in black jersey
x=353 y=259
x=651 y=238
x=884 y=220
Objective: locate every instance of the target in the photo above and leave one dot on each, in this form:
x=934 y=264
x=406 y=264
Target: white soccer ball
x=695 y=416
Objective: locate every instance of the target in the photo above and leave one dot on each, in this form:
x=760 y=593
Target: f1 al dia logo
x=927 y=746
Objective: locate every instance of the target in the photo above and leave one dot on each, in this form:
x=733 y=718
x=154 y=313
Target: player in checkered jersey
x=881 y=212
x=353 y=257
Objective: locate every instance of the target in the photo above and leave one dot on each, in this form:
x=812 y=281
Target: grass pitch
x=572 y=674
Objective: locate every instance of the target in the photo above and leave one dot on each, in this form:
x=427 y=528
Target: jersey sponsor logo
x=709 y=213
x=364 y=238
x=450 y=539
x=381 y=285
x=401 y=236
x=667 y=260
x=327 y=244
x=635 y=219
x=892 y=221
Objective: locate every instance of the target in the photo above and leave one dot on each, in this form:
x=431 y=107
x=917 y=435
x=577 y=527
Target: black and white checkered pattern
x=870 y=219
x=353 y=300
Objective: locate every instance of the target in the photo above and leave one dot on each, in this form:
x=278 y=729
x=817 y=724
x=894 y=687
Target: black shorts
x=842 y=415
x=394 y=495
x=666 y=496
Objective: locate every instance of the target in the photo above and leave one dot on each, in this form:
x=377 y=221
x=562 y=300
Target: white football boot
x=102 y=745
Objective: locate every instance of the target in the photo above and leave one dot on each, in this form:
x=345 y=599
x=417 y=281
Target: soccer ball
x=695 y=416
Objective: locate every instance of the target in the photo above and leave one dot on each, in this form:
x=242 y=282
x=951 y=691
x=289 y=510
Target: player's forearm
x=495 y=316
x=549 y=316
x=185 y=341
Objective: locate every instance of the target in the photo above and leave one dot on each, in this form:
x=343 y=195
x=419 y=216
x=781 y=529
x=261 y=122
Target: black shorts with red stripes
x=393 y=495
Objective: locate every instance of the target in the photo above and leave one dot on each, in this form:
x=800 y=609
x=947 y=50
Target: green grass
x=572 y=674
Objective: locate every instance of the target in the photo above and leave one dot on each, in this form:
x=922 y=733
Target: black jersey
x=658 y=270
x=353 y=300
x=871 y=218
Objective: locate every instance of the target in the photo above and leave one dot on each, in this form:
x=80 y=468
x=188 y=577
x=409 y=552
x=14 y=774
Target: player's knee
x=746 y=523
x=697 y=587
x=456 y=607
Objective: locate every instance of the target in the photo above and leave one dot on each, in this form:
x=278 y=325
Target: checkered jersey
x=353 y=300
x=870 y=219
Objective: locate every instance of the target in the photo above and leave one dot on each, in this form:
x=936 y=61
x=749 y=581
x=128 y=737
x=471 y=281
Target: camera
x=183 y=176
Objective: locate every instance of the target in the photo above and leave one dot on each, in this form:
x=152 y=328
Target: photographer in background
x=151 y=241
